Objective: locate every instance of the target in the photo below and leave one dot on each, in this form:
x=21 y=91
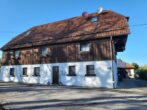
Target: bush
x=142 y=74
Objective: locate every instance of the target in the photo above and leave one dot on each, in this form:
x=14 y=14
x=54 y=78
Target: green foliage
x=142 y=72
x=136 y=66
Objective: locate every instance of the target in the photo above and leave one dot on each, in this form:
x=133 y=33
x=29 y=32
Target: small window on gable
x=24 y=72
x=94 y=19
x=27 y=33
x=85 y=47
x=72 y=71
x=90 y=70
x=36 y=71
x=16 y=54
x=12 y=72
x=44 y=51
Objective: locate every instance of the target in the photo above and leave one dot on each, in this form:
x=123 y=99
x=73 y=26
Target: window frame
x=94 y=19
x=88 y=71
x=23 y=71
x=42 y=53
x=38 y=74
x=12 y=73
x=70 y=73
x=82 y=46
x=15 y=54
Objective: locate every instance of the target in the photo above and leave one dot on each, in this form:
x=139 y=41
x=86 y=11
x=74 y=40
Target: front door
x=55 y=75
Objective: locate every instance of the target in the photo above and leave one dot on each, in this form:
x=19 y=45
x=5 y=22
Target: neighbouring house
x=80 y=51
x=125 y=70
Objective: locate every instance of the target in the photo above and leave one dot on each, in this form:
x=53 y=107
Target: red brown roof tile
x=75 y=29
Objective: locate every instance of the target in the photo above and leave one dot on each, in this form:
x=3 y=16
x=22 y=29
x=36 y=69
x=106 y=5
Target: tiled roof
x=123 y=64
x=79 y=28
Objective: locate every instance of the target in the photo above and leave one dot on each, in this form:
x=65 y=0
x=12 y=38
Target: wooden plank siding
x=99 y=51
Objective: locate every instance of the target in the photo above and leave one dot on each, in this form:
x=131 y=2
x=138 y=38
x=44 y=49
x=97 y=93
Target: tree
x=136 y=66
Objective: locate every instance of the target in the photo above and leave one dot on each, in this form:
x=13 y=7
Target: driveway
x=35 y=97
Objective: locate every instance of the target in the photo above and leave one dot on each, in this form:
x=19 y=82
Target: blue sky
x=17 y=16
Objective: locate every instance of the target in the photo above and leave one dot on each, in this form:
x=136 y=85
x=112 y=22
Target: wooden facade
x=63 y=40
x=70 y=52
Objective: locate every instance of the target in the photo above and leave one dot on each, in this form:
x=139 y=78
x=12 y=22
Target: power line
x=138 y=25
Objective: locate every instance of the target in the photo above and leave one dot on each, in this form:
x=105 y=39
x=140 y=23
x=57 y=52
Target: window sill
x=15 y=58
x=41 y=56
x=71 y=75
x=36 y=76
x=24 y=75
x=89 y=75
x=84 y=52
x=12 y=76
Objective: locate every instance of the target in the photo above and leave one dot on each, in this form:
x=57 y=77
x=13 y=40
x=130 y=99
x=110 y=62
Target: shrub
x=142 y=73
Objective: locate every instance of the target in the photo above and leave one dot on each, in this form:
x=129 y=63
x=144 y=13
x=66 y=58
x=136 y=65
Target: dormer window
x=44 y=51
x=16 y=54
x=94 y=19
x=85 y=47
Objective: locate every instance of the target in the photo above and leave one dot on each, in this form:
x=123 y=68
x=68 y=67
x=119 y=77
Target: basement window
x=72 y=71
x=16 y=54
x=24 y=72
x=36 y=71
x=44 y=51
x=12 y=72
x=85 y=47
x=90 y=70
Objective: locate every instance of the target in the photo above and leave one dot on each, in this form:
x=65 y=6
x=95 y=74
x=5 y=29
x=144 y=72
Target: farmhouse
x=80 y=51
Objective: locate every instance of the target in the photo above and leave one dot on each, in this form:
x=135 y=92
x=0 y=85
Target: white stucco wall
x=131 y=73
x=103 y=70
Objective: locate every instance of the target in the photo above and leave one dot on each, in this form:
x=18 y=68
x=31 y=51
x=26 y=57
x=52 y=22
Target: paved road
x=33 y=97
x=133 y=83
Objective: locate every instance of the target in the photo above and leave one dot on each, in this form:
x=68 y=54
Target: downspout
x=112 y=54
x=32 y=56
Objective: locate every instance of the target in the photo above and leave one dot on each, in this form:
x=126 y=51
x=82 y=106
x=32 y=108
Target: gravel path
x=33 y=97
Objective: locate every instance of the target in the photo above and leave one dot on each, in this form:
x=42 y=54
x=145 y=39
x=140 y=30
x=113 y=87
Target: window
x=16 y=54
x=90 y=70
x=37 y=71
x=12 y=72
x=72 y=71
x=27 y=33
x=43 y=51
x=24 y=72
x=85 y=47
x=94 y=19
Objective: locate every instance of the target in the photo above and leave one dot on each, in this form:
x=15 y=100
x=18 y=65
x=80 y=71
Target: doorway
x=55 y=75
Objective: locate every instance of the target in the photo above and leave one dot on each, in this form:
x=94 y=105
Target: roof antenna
x=100 y=9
